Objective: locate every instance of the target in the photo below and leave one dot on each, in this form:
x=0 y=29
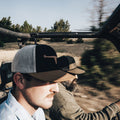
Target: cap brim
x=53 y=76
x=76 y=71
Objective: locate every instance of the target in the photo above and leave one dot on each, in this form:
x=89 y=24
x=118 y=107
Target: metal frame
x=110 y=31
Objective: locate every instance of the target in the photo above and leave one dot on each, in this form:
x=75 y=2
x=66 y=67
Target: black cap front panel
x=46 y=58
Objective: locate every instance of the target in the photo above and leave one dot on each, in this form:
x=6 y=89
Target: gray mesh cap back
x=24 y=60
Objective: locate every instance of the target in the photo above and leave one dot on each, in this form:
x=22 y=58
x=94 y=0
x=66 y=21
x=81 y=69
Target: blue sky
x=44 y=13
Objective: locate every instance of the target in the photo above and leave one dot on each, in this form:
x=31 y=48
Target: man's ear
x=19 y=80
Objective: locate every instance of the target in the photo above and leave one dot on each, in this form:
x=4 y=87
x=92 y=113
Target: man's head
x=67 y=63
x=36 y=75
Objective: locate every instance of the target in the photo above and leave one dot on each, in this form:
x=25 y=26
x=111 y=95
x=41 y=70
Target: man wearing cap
x=35 y=77
x=64 y=105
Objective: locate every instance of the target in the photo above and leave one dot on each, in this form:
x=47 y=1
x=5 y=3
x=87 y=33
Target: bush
x=103 y=85
x=102 y=64
x=1 y=44
x=79 y=40
x=57 y=40
x=69 y=42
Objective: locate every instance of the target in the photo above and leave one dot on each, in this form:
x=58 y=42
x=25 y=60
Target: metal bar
x=64 y=35
x=49 y=34
x=14 y=34
x=111 y=23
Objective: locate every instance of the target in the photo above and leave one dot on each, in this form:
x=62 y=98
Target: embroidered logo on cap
x=54 y=57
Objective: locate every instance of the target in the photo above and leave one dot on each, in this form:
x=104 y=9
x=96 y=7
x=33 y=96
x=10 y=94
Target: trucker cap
x=67 y=63
x=40 y=62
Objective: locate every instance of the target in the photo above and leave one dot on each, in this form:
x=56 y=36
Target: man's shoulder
x=63 y=96
x=5 y=112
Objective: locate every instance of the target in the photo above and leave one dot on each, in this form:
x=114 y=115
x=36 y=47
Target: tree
x=60 y=26
x=26 y=28
x=102 y=64
x=94 y=28
x=100 y=13
x=38 y=29
x=16 y=27
x=5 y=22
x=45 y=29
